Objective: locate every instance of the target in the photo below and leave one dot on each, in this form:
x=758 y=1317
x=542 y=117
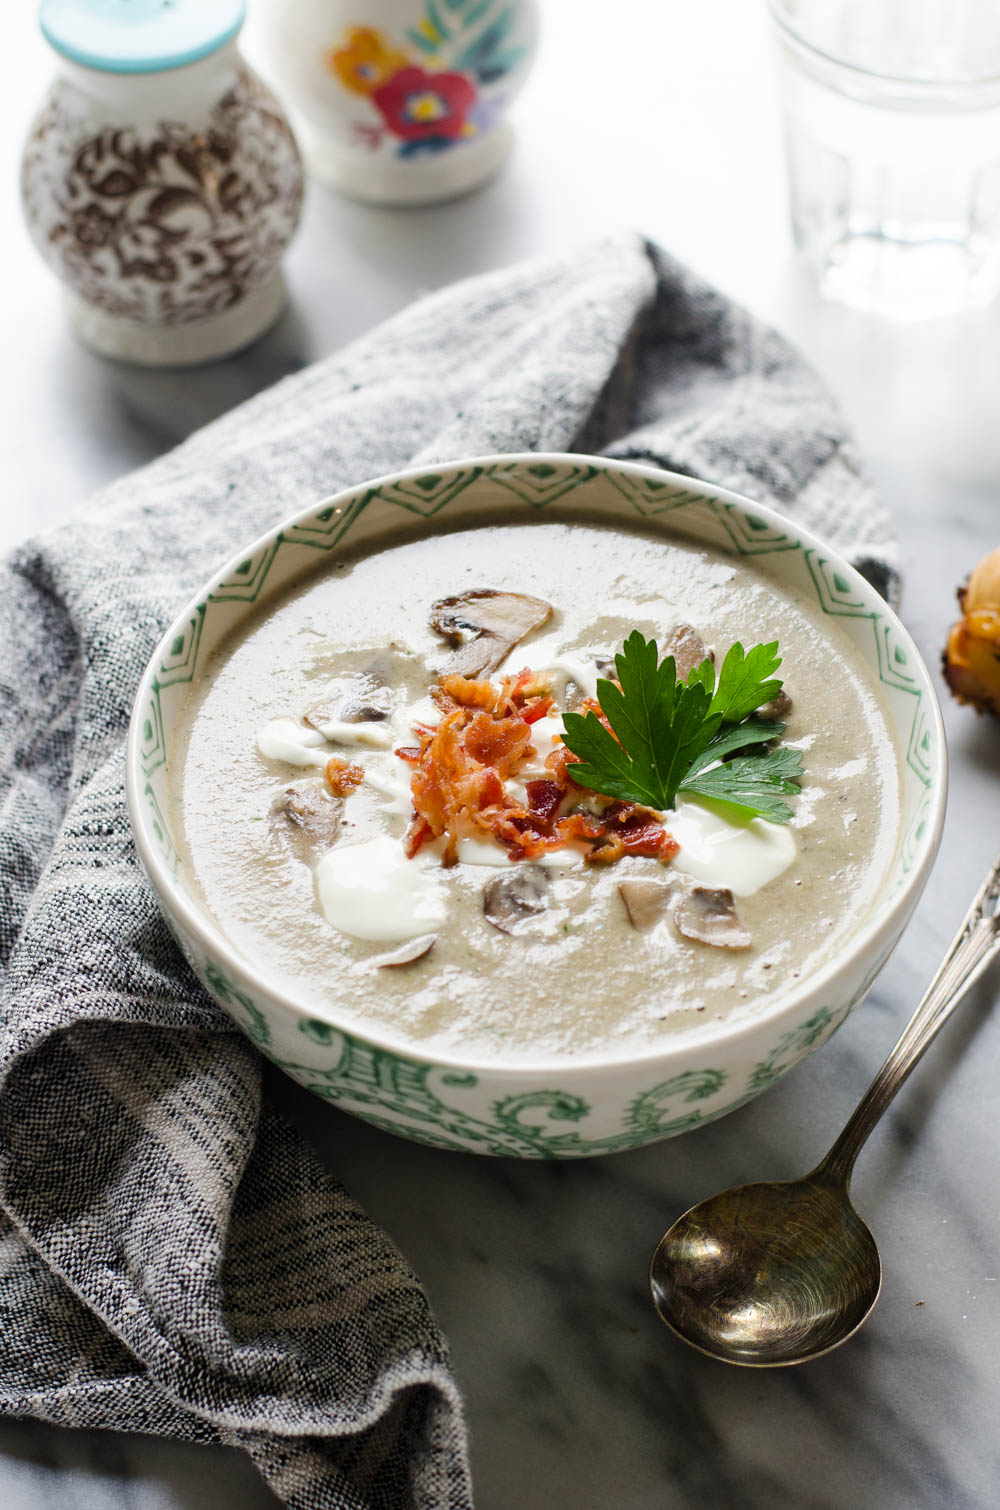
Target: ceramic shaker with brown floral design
x=401 y=101
x=161 y=181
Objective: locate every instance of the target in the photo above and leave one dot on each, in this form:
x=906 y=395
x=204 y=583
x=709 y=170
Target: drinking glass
x=892 y=118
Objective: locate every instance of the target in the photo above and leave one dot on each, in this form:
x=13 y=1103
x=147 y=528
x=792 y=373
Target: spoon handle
x=972 y=949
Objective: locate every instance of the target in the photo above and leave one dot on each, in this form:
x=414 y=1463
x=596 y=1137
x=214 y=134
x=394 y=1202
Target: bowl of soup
x=350 y=785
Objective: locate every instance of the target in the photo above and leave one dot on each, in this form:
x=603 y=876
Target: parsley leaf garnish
x=671 y=736
x=752 y=784
x=743 y=681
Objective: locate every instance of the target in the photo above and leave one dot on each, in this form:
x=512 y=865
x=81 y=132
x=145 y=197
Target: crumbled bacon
x=584 y=826
x=513 y=827
x=561 y=762
x=450 y=787
x=343 y=776
x=482 y=741
x=538 y=709
x=419 y=832
x=498 y=742
x=461 y=692
x=524 y=693
x=632 y=830
x=545 y=798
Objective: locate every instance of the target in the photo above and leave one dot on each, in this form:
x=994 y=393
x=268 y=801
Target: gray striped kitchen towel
x=173 y=1258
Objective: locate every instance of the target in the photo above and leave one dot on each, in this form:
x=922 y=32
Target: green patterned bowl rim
x=747 y=528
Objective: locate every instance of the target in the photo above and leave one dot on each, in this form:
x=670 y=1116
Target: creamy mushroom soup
x=548 y=921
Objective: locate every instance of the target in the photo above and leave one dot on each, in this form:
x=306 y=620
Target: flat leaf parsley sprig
x=672 y=736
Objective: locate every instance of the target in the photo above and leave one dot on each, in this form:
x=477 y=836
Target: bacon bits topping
x=497 y=621
x=463 y=764
x=513 y=901
x=343 y=776
x=545 y=798
x=632 y=830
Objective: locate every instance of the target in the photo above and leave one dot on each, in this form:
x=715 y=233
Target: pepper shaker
x=401 y=101
x=160 y=181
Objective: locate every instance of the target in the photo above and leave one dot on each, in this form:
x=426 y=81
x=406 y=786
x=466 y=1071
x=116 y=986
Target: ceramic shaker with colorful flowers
x=401 y=101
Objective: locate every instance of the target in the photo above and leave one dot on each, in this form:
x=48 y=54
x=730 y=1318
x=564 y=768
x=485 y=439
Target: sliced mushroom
x=309 y=815
x=497 y=621
x=703 y=913
x=779 y=707
x=358 y=699
x=687 y=648
x=646 y=902
x=708 y=914
x=511 y=902
x=407 y=953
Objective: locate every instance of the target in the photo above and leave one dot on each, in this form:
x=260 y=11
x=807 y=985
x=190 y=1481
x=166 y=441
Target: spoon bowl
x=783 y=1271
x=767 y=1274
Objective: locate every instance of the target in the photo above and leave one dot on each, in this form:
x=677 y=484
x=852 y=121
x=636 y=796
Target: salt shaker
x=160 y=180
x=401 y=101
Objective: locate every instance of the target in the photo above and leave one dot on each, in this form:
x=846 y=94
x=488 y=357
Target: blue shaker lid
x=139 y=36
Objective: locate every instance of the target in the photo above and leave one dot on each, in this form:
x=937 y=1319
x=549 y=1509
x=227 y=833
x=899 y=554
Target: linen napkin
x=173 y=1258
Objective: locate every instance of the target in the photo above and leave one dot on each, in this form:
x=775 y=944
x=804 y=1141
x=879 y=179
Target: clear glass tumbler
x=892 y=114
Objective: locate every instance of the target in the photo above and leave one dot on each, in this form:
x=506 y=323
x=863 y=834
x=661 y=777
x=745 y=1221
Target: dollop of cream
x=372 y=891
x=545 y=736
x=724 y=852
x=424 y=711
x=561 y=859
x=482 y=851
x=583 y=673
x=372 y=736
x=284 y=739
x=545 y=654
x=390 y=777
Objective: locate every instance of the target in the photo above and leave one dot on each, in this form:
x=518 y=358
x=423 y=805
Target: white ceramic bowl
x=552 y=1107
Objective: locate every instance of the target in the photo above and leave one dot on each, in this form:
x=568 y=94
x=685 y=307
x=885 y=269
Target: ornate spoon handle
x=975 y=944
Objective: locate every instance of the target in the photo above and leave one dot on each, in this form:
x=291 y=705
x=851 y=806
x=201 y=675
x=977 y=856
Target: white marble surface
x=660 y=116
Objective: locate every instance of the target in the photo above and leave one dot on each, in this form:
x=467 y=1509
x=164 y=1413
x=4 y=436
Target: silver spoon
x=783 y=1271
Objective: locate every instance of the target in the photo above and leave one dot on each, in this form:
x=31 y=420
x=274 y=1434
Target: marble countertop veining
x=577 y=1396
